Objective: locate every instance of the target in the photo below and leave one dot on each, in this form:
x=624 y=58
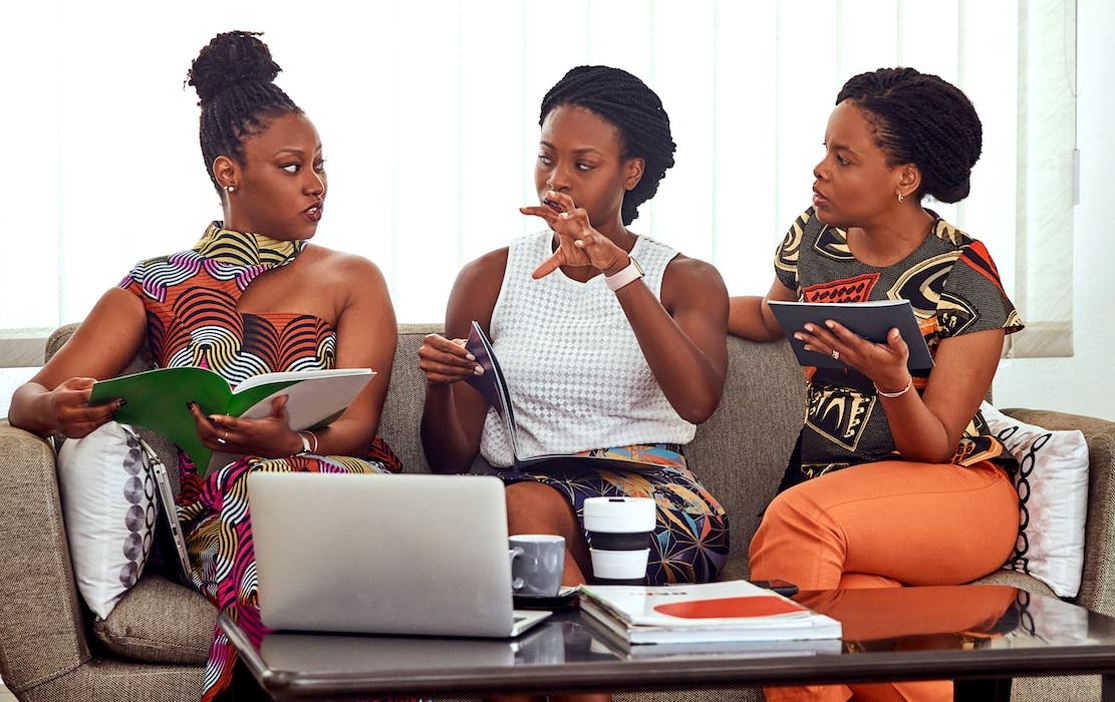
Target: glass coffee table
x=981 y=636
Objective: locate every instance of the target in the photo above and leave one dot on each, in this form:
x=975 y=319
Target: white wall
x=1084 y=383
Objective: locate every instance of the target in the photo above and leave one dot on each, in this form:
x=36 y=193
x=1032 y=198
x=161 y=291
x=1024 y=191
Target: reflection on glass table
x=966 y=633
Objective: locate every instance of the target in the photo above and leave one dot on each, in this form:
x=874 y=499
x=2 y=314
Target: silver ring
x=835 y=355
x=221 y=441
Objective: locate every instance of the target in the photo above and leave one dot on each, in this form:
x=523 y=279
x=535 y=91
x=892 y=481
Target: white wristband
x=624 y=277
x=900 y=393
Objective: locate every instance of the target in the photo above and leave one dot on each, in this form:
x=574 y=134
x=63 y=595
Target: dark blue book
x=493 y=387
x=871 y=320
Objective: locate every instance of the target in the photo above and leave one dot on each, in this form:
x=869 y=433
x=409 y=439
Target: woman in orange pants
x=895 y=479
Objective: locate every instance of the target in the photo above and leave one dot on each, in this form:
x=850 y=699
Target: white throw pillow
x=1052 y=483
x=108 y=505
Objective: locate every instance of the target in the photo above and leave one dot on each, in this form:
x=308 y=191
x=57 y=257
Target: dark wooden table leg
x=997 y=690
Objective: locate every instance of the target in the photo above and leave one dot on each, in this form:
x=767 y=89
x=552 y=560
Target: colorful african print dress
x=191 y=301
x=954 y=288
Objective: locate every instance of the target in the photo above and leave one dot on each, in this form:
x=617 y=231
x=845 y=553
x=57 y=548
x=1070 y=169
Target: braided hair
x=233 y=76
x=921 y=119
x=634 y=109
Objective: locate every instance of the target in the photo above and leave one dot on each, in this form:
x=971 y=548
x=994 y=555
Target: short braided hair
x=233 y=76
x=921 y=119
x=634 y=109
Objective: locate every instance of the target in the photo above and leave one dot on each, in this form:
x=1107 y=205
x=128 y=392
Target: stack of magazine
x=685 y=617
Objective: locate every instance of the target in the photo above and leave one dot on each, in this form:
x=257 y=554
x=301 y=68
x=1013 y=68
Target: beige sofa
x=154 y=644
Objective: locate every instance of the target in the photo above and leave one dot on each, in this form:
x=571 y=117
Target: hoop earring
x=901 y=197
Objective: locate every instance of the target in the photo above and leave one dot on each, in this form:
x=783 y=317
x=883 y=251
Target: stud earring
x=901 y=197
x=230 y=188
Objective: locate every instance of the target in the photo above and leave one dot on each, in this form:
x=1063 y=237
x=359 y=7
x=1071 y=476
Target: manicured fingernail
x=829 y=323
x=799 y=336
x=470 y=357
x=809 y=328
x=478 y=370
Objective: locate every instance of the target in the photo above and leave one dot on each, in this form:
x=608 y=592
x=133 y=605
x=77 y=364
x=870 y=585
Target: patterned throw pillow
x=1052 y=483
x=108 y=506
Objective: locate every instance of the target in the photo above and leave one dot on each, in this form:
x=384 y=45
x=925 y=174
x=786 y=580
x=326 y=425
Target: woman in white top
x=603 y=356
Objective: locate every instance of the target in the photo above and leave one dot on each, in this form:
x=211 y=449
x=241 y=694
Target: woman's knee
x=794 y=524
x=531 y=505
x=793 y=511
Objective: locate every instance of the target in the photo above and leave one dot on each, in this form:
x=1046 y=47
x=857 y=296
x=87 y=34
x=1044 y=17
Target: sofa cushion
x=740 y=453
x=109 y=510
x=402 y=409
x=1052 y=483
x=160 y=622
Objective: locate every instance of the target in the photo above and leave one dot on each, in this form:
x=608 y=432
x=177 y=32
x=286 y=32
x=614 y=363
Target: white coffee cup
x=619 y=530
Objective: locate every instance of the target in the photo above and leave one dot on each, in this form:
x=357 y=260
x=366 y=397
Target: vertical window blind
x=428 y=114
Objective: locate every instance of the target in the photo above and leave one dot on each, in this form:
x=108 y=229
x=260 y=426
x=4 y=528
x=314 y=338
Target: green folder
x=157 y=399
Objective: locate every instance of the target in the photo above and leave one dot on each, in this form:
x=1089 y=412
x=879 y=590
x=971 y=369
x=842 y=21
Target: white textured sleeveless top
x=577 y=377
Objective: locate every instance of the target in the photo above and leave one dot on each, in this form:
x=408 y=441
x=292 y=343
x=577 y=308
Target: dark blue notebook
x=871 y=320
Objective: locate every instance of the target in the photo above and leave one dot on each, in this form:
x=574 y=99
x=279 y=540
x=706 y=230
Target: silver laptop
x=384 y=554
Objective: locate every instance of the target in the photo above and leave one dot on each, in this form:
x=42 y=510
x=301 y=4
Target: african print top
x=954 y=288
x=191 y=299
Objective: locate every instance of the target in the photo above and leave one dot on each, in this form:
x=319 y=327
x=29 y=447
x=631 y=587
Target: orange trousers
x=886 y=524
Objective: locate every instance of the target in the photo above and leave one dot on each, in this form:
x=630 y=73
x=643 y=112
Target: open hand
x=74 y=416
x=883 y=364
x=271 y=436
x=579 y=245
x=446 y=361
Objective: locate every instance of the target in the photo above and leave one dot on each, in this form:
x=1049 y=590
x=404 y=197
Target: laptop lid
x=384 y=554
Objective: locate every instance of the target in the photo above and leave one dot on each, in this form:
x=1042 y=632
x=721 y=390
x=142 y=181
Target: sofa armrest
x=1097 y=590
x=41 y=629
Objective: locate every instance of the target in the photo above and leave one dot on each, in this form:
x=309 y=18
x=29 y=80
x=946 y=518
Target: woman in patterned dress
x=252 y=296
x=601 y=357
x=896 y=479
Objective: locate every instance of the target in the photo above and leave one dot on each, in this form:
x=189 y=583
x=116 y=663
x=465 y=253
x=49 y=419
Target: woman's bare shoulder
x=342 y=266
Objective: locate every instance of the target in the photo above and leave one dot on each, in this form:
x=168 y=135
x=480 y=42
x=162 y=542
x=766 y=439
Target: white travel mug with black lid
x=619 y=531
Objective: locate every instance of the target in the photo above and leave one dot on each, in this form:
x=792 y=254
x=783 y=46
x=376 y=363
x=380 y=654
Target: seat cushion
x=160 y=622
x=1016 y=579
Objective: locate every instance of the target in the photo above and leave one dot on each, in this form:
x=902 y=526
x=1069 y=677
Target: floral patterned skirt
x=690 y=543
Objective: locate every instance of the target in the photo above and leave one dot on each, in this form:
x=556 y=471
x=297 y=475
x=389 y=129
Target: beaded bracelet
x=900 y=393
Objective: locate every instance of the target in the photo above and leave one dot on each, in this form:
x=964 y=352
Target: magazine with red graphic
x=710 y=612
x=872 y=320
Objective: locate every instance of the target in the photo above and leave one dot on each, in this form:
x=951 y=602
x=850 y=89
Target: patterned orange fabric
x=191 y=299
x=954 y=288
